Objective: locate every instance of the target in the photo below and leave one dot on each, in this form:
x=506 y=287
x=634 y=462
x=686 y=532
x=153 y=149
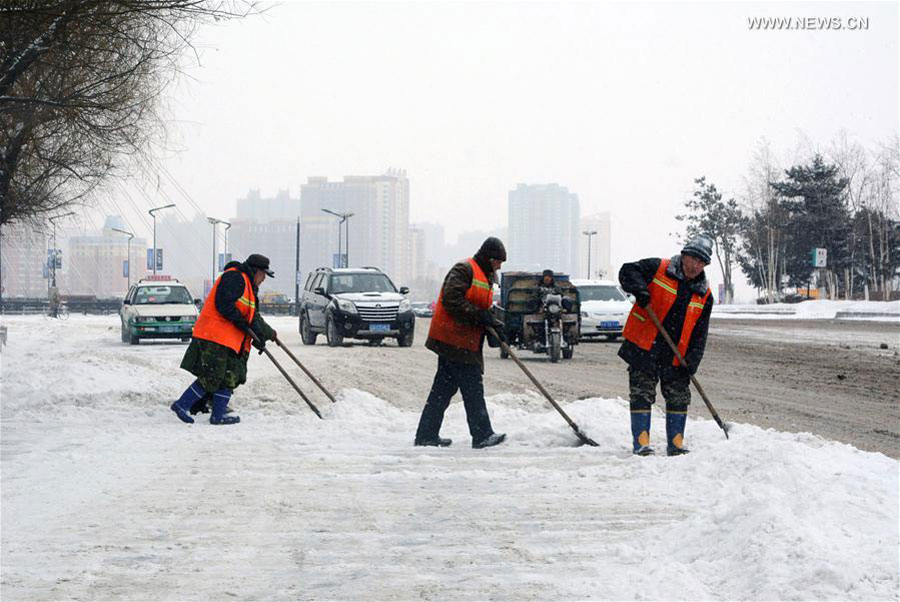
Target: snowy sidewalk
x=814 y=310
x=105 y=495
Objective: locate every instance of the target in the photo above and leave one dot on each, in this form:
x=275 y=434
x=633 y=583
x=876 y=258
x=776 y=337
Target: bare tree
x=80 y=83
x=767 y=244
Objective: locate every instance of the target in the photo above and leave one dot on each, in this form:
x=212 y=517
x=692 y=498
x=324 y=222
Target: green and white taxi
x=157 y=308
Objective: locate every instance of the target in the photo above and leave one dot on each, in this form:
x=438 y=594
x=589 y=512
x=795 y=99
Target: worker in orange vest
x=456 y=335
x=677 y=291
x=221 y=342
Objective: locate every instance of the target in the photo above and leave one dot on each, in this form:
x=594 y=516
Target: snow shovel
x=677 y=353
x=302 y=367
x=285 y=374
x=584 y=438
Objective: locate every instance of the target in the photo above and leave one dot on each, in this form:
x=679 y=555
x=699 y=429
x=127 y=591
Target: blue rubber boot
x=640 y=430
x=190 y=396
x=219 y=403
x=676 y=418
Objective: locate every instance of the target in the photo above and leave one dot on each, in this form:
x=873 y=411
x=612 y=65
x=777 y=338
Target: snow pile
x=106 y=495
x=814 y=310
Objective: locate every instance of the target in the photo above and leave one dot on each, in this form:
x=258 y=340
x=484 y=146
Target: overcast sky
x=625 y=104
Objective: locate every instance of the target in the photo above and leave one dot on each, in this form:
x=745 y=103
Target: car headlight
x=405 y=305
x=345 y=306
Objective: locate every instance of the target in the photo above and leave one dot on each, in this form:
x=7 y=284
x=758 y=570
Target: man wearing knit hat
x=456 y=335
x=677 y=291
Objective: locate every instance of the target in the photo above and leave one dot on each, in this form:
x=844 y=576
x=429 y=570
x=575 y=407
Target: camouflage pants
x=216 y=367
x=642 y=388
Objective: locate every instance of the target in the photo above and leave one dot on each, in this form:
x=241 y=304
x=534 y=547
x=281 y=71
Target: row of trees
x=80 y=89
x=844 y=201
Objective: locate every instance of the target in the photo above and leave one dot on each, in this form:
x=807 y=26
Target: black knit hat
x=492 y=248
x=547 y=272
x=700 y=247
x=260 y=262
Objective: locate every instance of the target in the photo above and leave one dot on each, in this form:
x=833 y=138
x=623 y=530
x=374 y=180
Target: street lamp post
x=225 y=252
x=590 y=234
x=51 y=257
x=214 y=223
x=130 y=236
x=343 y=217
x=154 y=236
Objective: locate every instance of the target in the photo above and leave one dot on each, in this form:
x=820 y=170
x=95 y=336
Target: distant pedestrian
x=218 y=353
x=677 y=291
x=456 y=335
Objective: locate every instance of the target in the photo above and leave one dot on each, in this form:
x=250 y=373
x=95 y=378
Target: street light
x=214 y=223
x=590 y=234
x=225 y=252
x=154 y=236
x=130 y=236
x=344 y=217
x=51 y=282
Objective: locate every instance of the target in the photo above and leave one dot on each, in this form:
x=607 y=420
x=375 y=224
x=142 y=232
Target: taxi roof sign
x=157 y=278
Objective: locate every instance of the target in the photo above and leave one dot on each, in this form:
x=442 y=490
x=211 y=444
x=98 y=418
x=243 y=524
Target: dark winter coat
x=217 y=366
x=634 y=278
x=453 y=297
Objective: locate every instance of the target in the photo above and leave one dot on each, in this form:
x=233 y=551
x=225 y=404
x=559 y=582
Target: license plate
x=379 y=327
x=609 y=324
x=170 y=329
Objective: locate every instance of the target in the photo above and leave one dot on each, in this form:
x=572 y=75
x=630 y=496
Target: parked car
x=423 y=309
x=355 y=303
x=604 y=308
x=158 y=309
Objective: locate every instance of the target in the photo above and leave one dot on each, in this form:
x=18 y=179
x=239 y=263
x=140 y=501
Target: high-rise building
x=97 y=263
x=377 y=234
x=187 y=249
x=600 y=245
x=543 y=229
x=267 y=226
x=23 y=259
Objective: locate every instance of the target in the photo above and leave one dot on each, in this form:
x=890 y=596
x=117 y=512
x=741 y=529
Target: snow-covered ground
x=105 y=495
x=814 y=310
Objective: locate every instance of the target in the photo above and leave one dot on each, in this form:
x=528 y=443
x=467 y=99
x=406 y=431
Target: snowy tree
x=80 y=83
x=814 y=196
x=721 y=220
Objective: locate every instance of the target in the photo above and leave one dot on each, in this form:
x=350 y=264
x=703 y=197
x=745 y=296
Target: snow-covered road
x=105 y=495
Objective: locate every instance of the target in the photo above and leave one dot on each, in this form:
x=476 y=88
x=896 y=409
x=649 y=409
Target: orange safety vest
x=213 y=326
x=663 y=290
x=447 y=330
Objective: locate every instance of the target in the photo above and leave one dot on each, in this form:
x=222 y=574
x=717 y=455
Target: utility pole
x=590 y=234
x=297 y=271
x=130 y=236
x=51 y=257
x=153 y=215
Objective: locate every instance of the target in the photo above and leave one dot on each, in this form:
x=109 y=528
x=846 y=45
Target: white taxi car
x=156 y=308
x=604 y=308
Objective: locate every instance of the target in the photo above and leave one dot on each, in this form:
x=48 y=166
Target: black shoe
x=677 y=451
x=644 y=450
x=490 y=441
x=436 y=442
x=224 y=419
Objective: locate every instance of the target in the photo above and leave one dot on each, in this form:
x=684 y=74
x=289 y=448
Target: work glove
x=642 y=298
x=259 y=344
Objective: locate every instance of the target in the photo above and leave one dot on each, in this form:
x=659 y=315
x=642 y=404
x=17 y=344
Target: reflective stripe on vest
x=213 y=326
x=465 y=336
x=663 y=291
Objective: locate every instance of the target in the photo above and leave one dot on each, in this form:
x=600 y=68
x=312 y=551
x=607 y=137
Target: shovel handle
x=302 y=367
x=268 y=353
x=674 y=347
x=584 y=438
